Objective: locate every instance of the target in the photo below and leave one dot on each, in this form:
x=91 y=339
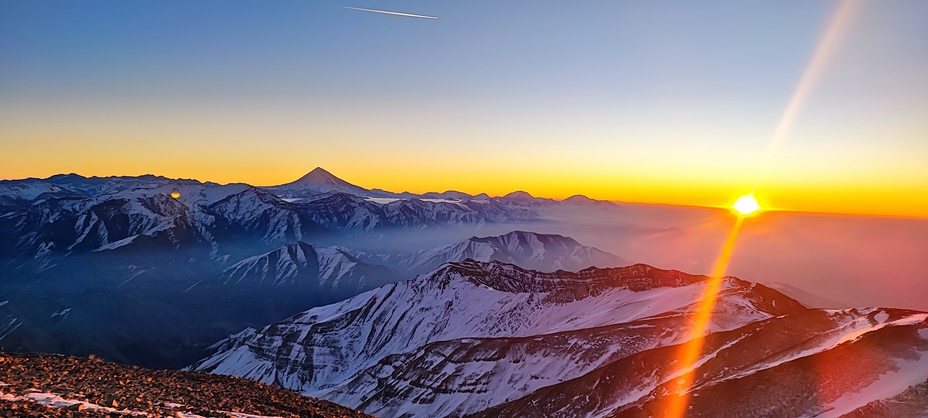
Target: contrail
x=386 y=12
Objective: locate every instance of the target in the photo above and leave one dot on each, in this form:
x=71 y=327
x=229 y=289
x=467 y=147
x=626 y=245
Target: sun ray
x=688 y=352
x=824 y=51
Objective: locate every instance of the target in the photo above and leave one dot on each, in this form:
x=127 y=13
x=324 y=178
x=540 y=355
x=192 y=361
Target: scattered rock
x=121 y=391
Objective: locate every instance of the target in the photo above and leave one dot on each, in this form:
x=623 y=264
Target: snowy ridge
x=69 y=213
x=262 y=214
x=347 y=350
x=799 y=348
x=541 y=252
x=302 y=265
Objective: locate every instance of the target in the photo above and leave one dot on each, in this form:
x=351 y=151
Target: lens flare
x=175 y=194
x=690 y=351
x=824 y=51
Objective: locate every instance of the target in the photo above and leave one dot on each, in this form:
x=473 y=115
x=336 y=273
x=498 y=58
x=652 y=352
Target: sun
x=746 y=205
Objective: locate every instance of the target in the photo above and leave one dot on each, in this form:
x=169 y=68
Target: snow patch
x=382 y=200
x=52 y=400
x=116 y=244
x=882 y=317
x=62 y=314
x=907 y=374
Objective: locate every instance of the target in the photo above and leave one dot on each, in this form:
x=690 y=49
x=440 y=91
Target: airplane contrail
x=386 y=12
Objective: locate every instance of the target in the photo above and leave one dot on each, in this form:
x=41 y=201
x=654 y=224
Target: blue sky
x=600 y=93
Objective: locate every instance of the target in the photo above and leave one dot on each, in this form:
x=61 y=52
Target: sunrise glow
x=617 y=112
x=746 y=205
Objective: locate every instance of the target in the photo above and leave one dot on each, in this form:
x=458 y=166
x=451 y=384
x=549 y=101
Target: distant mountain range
x=149 y=270
x=544 y=252
x=495 y=340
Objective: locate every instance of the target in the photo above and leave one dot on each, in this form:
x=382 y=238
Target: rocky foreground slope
x=62 y=386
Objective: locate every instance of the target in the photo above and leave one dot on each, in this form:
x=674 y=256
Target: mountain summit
x=321 y=177
x=317 y=181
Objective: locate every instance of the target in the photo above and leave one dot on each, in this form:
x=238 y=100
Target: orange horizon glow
x=825 y=120
x=905 y=201
x=690 y=351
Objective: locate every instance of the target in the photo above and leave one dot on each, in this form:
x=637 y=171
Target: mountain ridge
x=542 y=252
x=360 y=351
x=316 y=182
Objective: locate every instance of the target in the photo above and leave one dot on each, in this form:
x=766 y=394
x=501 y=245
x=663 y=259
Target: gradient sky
x=668 y=102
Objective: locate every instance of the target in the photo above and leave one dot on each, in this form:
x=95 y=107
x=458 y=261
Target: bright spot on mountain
x=175 y=194
x=746 y=205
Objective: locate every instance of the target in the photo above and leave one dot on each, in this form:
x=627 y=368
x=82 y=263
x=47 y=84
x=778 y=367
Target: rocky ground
x=62 y=386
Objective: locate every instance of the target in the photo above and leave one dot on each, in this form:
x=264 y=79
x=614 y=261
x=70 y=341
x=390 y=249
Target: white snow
x=114 y=245
x=429 y=309
x=907 y=373
x=382 y=200
x=62 y=313
x=881 y=318
x=53 y=400
x=847 y=331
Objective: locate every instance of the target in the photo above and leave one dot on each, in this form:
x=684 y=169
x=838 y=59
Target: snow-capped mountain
x=316 y=182
x=542 y=252
x=319 y=182
x=520 y=198
x=301 y=267
x=213 y=258
x=69 y=213
x=347 y=213
x=85 y=224
x=255 y=214
x=830 y=363
x=581 y=200
x=474 y=335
